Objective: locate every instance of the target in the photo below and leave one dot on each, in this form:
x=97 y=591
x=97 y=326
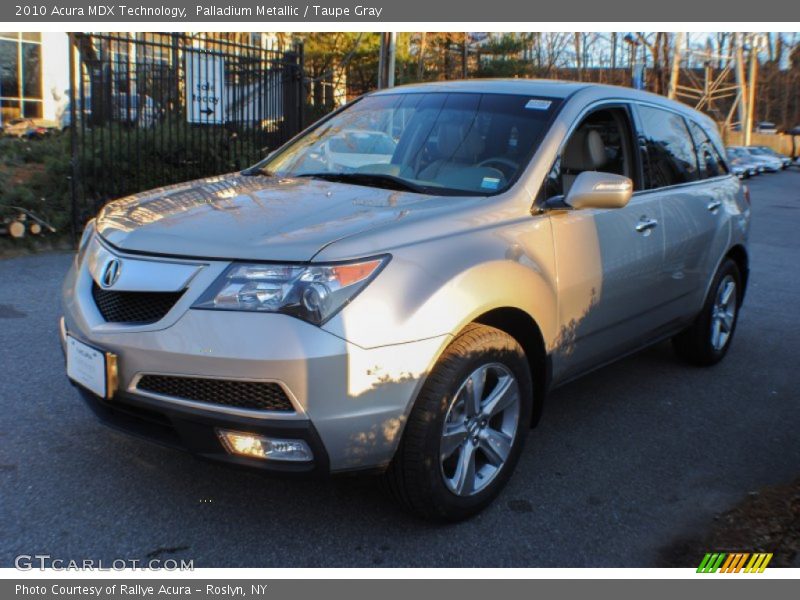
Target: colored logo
x=744 y=562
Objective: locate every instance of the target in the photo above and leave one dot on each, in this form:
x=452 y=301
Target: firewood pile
x=16 y=223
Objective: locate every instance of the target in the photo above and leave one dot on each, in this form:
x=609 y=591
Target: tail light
x=746 y=192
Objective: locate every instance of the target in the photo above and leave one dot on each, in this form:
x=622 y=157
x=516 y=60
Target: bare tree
x=423 y=39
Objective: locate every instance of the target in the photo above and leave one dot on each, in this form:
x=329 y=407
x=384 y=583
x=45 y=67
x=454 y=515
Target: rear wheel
x=707 y=340
x=466 y=430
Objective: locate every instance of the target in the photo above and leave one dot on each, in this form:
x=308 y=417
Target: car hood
x=255 y=217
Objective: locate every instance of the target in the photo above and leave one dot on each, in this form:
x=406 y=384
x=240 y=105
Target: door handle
x=646 y=224
x=713 y=205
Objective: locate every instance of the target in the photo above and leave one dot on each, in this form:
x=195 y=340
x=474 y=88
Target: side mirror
x=594 y=189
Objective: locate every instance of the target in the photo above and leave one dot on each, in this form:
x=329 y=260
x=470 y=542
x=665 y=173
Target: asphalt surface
x=625 y=462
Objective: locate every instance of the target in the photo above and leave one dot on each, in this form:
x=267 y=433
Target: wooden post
x=674 y=76
x=751 y=92
x=741 y=82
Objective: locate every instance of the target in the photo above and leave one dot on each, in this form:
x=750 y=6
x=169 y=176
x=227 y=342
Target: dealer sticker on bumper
x=90 y=367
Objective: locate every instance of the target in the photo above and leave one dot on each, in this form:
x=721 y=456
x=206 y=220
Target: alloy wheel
x=479 y=429
x=723 y=313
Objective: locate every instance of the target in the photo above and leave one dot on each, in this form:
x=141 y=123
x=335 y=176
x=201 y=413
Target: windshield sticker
x=490 y=183
x=536 y=104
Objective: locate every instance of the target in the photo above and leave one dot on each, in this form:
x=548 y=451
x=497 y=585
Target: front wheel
x=466 y=430
x=707 y=340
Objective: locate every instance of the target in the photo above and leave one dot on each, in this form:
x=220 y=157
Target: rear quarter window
x=710 y=162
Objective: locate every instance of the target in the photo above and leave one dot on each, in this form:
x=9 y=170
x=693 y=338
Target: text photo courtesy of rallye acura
x=396 y=288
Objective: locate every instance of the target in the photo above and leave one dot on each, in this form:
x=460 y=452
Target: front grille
x=252 y=395
x=133 y=307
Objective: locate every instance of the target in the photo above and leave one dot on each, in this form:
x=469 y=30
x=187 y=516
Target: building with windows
x=34 y=74
x=34 y=67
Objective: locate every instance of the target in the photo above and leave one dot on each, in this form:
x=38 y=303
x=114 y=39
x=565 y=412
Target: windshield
x=437 y=143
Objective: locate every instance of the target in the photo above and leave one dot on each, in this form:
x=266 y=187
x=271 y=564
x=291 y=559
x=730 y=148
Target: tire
x=697 y=344
x=433 y=487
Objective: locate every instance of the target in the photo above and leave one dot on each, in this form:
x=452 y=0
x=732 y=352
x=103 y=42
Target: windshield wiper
x=380 y=180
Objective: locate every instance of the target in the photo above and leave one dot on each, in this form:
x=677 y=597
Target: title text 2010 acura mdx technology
x=396 y=288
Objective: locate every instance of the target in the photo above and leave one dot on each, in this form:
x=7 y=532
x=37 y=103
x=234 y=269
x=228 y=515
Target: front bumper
x=195 y=430
x=349 y=403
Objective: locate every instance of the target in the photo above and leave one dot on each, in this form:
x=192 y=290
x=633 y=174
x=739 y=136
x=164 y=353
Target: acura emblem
x=111 y=273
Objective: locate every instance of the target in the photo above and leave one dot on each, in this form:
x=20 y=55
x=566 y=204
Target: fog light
x=259 y=446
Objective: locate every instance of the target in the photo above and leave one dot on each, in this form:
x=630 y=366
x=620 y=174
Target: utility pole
x=386 y=60
x=391 y=61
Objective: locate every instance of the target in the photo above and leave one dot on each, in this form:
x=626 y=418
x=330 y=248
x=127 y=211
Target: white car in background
x=768 y=163
x=741 y=159
x=766 y=127
x=767 y=151
x=739 y=169
x=352 y=149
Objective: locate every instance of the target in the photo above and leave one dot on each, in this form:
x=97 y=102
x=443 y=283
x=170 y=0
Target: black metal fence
x=150 y=109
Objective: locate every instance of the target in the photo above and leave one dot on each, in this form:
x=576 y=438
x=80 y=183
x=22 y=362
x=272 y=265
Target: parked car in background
x=738 y=169
x=353 y=149
x=29 y=128
x=767 y=151
x=764 y=161
x=766 y=127
x=407 y=316
x=741 y=158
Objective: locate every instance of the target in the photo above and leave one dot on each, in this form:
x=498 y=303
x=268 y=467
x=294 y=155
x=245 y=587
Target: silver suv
x=397 y=288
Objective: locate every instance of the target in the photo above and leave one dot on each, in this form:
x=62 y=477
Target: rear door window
x=668 y=150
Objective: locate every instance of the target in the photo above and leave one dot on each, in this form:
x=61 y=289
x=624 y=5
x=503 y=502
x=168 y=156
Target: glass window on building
x=20 y=75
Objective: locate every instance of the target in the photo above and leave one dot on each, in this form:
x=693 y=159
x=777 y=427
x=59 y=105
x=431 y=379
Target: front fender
x=435 y=288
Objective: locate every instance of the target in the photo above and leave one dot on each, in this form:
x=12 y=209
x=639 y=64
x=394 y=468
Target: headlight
x=86 y=237
x=313 y=293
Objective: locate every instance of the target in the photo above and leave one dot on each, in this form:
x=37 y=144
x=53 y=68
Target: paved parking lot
x=626 y=460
